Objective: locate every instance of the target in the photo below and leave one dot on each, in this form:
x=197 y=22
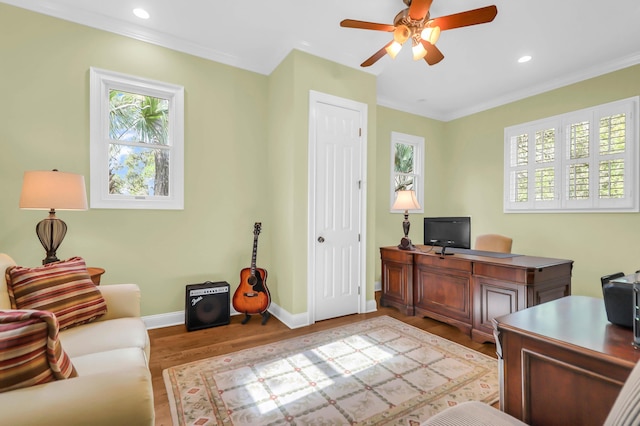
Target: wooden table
x=95 y=274
x=469 y=288
x=562 y=362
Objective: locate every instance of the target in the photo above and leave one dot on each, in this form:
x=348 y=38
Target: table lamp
x=51 y=190
x=406 y=200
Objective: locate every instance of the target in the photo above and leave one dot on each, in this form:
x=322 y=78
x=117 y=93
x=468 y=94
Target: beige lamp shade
x=406 y=200
x=46 y=190
x=52 y=190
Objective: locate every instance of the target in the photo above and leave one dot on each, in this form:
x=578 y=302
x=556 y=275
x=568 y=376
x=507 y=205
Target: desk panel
x=467 y=289
x=562 y=362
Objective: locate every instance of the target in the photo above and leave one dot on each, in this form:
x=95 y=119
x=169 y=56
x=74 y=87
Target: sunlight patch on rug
x=372 y=372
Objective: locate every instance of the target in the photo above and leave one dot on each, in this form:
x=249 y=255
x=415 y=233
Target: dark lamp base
x=405 y=244
x=51 y=232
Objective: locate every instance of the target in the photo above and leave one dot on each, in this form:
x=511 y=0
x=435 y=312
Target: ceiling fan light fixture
x=415 y=23
x=431 y=34
x=401 y=34
x=418 y=50
x=393 y=49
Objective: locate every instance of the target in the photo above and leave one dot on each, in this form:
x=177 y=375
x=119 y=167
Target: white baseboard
x=163 y=320
x=377 y=286
x=290 y=320
x=171 y=318
x=177 y=318
x=372 y=306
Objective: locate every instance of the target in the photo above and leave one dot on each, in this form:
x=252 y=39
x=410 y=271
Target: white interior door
x=337 y=148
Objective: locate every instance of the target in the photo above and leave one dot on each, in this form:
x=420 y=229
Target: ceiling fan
x=414 y=23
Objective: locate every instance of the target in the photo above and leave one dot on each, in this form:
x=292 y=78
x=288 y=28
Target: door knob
x=320 y=239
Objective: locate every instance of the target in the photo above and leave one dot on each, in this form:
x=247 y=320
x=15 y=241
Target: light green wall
x=246 y=161
x=464 y=177
x=44 y=86
x=598 y=243
x=280 y=155
x=389 y=225
x=289 y=87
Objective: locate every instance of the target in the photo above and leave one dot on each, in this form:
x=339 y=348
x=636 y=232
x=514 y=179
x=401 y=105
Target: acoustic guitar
x=252 y=295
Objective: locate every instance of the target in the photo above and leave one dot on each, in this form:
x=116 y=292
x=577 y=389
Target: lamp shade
x=45 y=190
x=406 y=200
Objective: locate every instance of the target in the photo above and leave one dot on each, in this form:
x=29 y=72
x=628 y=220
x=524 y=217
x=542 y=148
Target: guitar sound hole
x=252 y=280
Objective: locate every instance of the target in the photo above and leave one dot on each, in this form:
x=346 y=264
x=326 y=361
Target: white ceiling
x=570 y=40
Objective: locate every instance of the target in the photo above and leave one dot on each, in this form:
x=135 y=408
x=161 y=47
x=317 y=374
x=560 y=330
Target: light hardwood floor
x=174 y=345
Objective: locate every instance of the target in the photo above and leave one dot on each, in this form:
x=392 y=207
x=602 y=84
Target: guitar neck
x=253 y=255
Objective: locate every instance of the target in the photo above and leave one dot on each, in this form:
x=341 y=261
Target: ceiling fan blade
x=464 y=19
x=352 y=23
x=434 y=55
x=419 y=9
x=376 y=56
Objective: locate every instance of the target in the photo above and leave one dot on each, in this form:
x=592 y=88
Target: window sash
x=416 y=173
x=102 y=83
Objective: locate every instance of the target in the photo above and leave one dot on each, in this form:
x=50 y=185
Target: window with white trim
x=136 y=142
x=407 y=167
x=583 y=161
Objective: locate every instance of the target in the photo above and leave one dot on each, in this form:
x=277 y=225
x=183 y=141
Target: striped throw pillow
x=30 y=352
x=64 y=288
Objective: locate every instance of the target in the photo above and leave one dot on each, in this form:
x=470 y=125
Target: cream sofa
x=111 y=357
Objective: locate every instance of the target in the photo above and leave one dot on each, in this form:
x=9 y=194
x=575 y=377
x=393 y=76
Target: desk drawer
x=503 y=273
x=396 y=255
x=448 y=262
x=524 y=275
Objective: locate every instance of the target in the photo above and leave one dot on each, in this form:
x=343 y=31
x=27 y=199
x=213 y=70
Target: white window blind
x=582 y=161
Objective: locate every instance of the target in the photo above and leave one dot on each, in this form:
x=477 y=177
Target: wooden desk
x=468 y=290
x=562 y=362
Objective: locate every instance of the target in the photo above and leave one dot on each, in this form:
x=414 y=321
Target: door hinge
x=358 y=290
x=359 y=184
x=360 y=131
x=358 y=237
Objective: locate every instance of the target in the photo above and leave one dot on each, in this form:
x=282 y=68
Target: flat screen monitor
x=448 y=231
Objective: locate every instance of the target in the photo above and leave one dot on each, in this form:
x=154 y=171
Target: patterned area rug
x=373 y=372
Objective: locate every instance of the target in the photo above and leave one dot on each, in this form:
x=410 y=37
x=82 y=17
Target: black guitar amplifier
x=207 y=305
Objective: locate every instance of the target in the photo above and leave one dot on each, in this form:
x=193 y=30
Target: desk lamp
x=406 y=200
x=51 y=190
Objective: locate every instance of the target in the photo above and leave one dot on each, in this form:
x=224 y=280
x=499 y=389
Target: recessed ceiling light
x=525 y=58
x=141 y=13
